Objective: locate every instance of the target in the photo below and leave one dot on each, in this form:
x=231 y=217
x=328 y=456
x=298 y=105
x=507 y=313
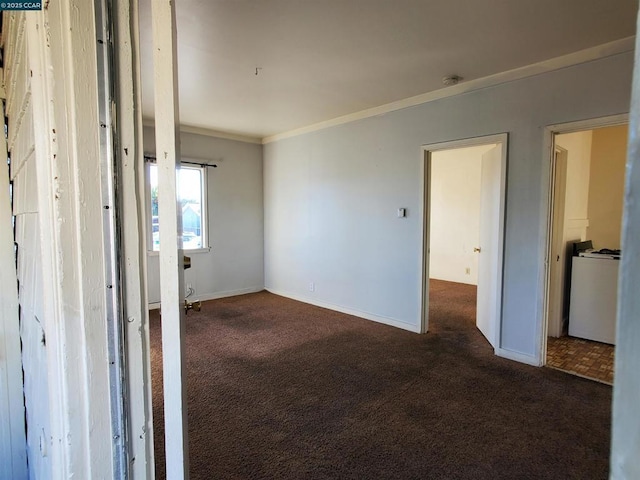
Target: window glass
x=190 y=199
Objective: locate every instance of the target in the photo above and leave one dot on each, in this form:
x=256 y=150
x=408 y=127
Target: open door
x=557 y=257
x=489 y=263
x=426 y=249
x=491 y=235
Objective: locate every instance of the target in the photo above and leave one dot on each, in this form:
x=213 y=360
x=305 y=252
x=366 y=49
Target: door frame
x=550 y=132
x=427 y=150
x=557 y=205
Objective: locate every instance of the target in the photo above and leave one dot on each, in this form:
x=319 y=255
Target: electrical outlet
x=467 y=271
x=312 y=287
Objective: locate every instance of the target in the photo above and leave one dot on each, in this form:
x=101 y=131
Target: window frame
x=204 y=210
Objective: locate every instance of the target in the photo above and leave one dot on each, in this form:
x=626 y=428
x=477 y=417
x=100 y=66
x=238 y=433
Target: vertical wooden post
x=61 y=51
x=134 y=247
x=171 y=261
x=625 y=461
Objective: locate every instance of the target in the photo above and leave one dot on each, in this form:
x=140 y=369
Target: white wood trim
x=226 y=294
x=502 y=139
x=557 y=190
x=204 y=211
x=586 y=124
x=171 y=256
x=134 y=212
x=215 y=296
x=186 y=128
x=209 y=132
x=594 y=53
x=425 y=215
x=204 y=208
x=62 y=54
x=62 y=460
x=411 y=327
x=545 y=243
x=13 y=443
x=196 y=251
x=76 y=96
x=466 y=142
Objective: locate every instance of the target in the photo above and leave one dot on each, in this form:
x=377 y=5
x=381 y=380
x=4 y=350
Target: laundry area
x=585 y=250
x=594 y=288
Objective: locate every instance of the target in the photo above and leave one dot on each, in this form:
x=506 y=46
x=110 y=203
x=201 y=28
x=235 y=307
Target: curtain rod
x=152 y=159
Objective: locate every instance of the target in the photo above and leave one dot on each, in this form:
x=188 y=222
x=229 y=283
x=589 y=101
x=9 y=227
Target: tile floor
x=581 y=357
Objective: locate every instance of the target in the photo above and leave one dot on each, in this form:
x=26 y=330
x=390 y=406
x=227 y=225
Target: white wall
x=235 y=263
x=576 y=206
x=455 y=214
x=331 y=196
x=595 y=184
x=578 y=146
x=606 y=186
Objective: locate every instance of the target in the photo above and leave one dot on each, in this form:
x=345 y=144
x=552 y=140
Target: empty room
x=319 y=239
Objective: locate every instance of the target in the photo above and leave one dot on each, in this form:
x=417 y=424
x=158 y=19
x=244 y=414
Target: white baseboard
x=228 y=293
x=501 y=352
x=213 y=296
x=518 y=357
x=349 y=311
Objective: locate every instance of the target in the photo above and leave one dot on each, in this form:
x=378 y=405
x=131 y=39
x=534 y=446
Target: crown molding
x=209 y=132
x=582 y=56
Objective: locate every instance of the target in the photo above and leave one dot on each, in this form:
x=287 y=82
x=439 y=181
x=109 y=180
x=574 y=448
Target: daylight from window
x=190 y=199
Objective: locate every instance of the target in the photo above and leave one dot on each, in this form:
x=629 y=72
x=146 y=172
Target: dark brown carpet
x=278 y=389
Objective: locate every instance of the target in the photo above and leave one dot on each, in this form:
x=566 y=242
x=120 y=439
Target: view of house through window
x=191 y=182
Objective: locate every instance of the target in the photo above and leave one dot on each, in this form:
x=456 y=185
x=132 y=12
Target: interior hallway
x=282 y=389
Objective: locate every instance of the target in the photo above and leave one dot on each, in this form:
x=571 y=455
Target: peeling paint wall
x=51 y=82
x=21 y=146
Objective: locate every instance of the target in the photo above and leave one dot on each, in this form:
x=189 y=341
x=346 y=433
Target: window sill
x=155 y=253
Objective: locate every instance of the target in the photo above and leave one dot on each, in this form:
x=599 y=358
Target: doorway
x=463 y=226
x=586 y=188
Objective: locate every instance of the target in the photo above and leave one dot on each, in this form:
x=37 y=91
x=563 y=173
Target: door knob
x=476 y=249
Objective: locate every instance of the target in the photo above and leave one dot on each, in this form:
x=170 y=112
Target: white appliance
x=594 y=291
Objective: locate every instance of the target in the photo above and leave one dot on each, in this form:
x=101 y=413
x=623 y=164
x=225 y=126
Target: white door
x=489 y=263
x=557 y=254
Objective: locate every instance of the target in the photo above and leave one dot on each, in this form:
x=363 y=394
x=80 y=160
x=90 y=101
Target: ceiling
x=321 y=59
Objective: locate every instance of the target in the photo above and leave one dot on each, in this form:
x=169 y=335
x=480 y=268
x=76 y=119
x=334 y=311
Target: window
x=192 y=200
